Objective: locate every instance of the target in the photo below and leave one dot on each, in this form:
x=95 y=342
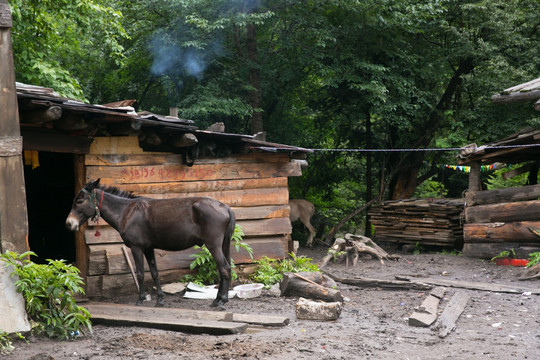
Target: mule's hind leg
x=151 y=259
x=139 y=265
x=224 y=269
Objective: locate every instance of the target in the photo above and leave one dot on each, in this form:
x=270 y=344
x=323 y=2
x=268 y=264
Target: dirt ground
x=372 y=325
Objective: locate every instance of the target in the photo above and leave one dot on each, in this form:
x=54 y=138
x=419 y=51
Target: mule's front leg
x=151 y=259
x=139 y=265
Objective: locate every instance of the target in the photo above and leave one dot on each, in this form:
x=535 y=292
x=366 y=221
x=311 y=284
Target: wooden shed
x=504 y=219
x=67 y=142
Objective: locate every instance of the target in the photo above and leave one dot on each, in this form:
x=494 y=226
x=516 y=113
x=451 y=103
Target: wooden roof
x=520 y=147
x=529 y=91
x=74 y=123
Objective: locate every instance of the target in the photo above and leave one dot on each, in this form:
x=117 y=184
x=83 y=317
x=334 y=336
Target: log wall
x=504 y=219
x=255 y=186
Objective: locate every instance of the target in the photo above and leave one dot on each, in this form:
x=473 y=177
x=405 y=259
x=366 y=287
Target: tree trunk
x=256 y=123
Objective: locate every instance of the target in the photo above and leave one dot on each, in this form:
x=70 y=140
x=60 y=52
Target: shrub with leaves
x=534 y=258
x=207 y=272
x=270 y=271
x=49 y=291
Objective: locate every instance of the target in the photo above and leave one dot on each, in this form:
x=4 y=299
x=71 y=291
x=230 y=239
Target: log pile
x=434 y=222
x=503 y=219
x=350 y=248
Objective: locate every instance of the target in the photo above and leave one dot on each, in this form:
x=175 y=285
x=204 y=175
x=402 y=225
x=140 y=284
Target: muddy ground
x=372 y=325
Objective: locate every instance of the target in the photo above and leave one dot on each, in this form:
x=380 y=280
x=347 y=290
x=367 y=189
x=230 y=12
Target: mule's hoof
x=219 y=303
x=160 y=303
x=139 y=303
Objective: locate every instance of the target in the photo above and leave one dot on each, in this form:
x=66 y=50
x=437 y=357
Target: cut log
x=317 y=310
x=40 y=116
x=185 y=140
x=503 y=212
x=292 y=285
x=518 y=231
x=427 y=312
x=452 y=312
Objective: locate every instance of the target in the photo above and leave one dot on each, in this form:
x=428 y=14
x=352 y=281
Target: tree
x=57 y=43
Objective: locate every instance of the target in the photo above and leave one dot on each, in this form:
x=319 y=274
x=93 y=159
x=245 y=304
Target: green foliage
x=451 y=252
x=207 y=272
x=60 y=43
x=418 y=249
x=496 y=180
x=270 y=271
x=336 y=254
x=534 y=258
x=6 y=342
x=49 y=292
x=505 y=254
x=430 y=189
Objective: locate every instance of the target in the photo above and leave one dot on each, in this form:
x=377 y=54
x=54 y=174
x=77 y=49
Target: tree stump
x=350 y=248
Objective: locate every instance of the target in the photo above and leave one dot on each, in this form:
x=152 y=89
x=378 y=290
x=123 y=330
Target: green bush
x=270 y=271
x=49 y=291
x=534 y=258
x=207 y=272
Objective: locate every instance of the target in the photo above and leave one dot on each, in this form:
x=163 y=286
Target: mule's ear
x=94 y=184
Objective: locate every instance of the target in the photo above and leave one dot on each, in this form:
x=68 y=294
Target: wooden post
x=475 y=183
x=13 y=214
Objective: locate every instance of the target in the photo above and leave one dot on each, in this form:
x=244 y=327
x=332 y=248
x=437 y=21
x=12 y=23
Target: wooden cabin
x=504 y=219
x=67 y=143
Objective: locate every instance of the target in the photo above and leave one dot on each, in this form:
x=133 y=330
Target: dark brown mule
x=170 y=224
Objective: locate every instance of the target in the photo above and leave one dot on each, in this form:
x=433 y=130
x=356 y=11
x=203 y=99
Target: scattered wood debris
x=427 y=312
x=349 y=249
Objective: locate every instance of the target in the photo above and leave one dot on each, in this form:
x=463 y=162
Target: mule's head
x=84 y=206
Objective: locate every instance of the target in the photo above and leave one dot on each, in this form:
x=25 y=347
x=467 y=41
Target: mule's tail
x=228 y=234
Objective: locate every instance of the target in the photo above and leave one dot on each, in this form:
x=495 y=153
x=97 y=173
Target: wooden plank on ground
x=184 y=325
x=452 y=311
x=472 y=285
x=109 y=312
x=384 y=284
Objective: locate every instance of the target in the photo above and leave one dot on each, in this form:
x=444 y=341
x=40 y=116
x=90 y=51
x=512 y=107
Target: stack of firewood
x=425 y=221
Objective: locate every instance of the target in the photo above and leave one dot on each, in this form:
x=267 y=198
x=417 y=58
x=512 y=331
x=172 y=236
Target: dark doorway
x=49 y=195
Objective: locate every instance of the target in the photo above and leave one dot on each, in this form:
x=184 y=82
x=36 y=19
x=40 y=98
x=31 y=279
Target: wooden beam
x=13 y=212
x=521 y=193
x=503 y=212
x=475 y=182
x=57 y=143
x=516 y=97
